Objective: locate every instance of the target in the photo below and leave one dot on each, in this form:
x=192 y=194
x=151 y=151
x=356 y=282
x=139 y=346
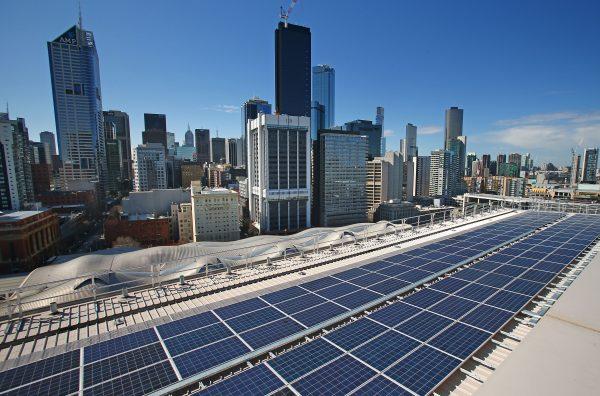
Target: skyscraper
x=454 y=125
x=317 y=119
x=384 y=180
x=485 y=160
x=47 y=137
x=279 y=179
x=515 y=158
x=77 y=96
x=233 y=155
x=189 y=137
x=372 y=131
x=575 y=168
x=217 y=150
x=471 y=157
x=501 y=159
x=292 y=70
x=339 y=196
x=202 y=145
x=120 y=123
x=411 y=142
x=323 y=91
x=379 y=116
x=422 y=172
x=250 y=110
x=443 y=171
x=149 y=167
x=589 y=165
x=155 y=129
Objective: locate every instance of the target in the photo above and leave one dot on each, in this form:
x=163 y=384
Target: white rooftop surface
x=561 y=355
x=19 y=215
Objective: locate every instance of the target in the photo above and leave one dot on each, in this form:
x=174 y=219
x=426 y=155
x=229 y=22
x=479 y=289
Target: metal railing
x=219 y=269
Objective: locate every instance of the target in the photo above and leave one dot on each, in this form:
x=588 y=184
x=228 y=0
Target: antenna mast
x=79 y=22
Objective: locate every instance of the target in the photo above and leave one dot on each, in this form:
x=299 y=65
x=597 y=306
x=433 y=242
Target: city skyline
x=546 y=113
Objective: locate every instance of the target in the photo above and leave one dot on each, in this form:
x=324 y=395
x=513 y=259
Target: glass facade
x=339 y=196
x=75 y=75
x=323 y=91
x=373 y=132
x=202 y=145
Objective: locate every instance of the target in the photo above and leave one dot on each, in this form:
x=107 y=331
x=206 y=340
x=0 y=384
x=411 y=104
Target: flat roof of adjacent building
x=8 y=217
x=561 y=355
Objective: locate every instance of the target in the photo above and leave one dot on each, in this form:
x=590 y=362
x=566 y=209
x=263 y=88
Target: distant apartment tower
x=384 y=180
x=215 y=214
x=589 y=165
x=471 y=157
x=203 y=152
x=373 y=132
x=217 y=150
x=501 y=159
x=119 y=120
x=184 y=222
x=17 y=161
x=422 y=170
x=340 y=173
x=114 y=179
x=292 y=70
x=410 y=142
x=379 y=119
x=47 y=137
x=443 y=171
x=515 y=158
x=155 y=129
x=149 y=165
x=279 y=172
x=250 y=110
x=323 y=92
x=453 y=126
x=77 y=97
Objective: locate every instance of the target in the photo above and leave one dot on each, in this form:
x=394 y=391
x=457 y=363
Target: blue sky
x=527 y=73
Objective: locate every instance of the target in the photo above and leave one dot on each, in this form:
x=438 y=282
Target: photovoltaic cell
x=388 y=286
x=381 y=386
x=282 y=295
x=321 y=283
x=424 y=298
x=356 y=333
x=254 y=319
x=424 y=325
x=138 y=382
x=476 y=292
x=460 y=340
x=510 y=270
x=337 y=378
x=318 y=314
x=300 y=303
x=369 y=279
x=453 y=307
x=495 y=280
x=240 y=308
x=62 y=384
x=351 y=274
x=258 y=380
x=509 y=301
x=423 y=369
x=449 y=285
x=197 y=338
x=414 y=275
x=297 y=362
x=337 y=290
x=358 y=298
x=386 y=349
x=487 y=318
x=394 y=314
x=271 y=332
x=117 y=345
x=538 y=276
x=209 y=356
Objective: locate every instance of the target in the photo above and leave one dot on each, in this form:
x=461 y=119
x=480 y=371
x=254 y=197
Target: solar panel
x=369 y=279
x=510 y=270
x=485 y=265
x=453 y=307
x=487 y=318
x=509 y=301
x=386 y=349
x=449 y=285
x=495 y=280
x=414 y=275
x=318 y=314
x=435 y=266
x=395 y=270
x=320 y=283
x=138 y=382
x=394 y=314
x=460 y=340
x=124 y=363
x=300 y=303
x=61 y=384
x=258 y=380
x=337 y=290
x=357 y=299
x=388 y=286
x=254 y=319
x=355 y=333
x=476 y=292
x=382 y=386
x=117 y=345
x=524 y=287
x=424 y=298
x=284 y=294
x=209 y=356
x=297 y=362
x=378 y=265
x=336 y=378
x=240 y=308
x=423 y=369
x=538 y=276
x=271 y=332
x=351 y=273
x=54 y=365
x=197 y=338
x=424 y=325
x=469 y=274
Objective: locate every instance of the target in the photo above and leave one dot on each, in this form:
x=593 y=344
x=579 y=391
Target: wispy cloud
x=548 y=135
x=429 y=130
x=388 y=133
x=223 y=108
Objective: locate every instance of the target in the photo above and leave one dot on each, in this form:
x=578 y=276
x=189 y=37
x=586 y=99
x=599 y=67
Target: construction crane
x=286 y=14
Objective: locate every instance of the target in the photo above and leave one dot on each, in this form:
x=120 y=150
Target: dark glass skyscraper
x=119 y=121
x=75 y=74
x=155 y=129
x=217 y=149
x=292 y=70
x=203 y=145
x=372 y=131
x=323 y=91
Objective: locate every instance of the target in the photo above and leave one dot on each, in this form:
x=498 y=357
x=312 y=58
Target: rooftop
x=9 y=217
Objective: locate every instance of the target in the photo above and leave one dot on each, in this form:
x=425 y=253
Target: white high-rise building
x=443 y=172
x=215 y=214
x=279 y=174
x=9 y=191
x=149 y=167
x=384 y=179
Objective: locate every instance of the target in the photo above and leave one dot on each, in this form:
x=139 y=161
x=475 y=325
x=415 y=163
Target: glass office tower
x=323 y=91
x=75 y=75
x=250 y=111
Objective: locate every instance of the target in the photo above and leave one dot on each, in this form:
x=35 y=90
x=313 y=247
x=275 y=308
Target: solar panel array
x=411 y=346
x=151 y=359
